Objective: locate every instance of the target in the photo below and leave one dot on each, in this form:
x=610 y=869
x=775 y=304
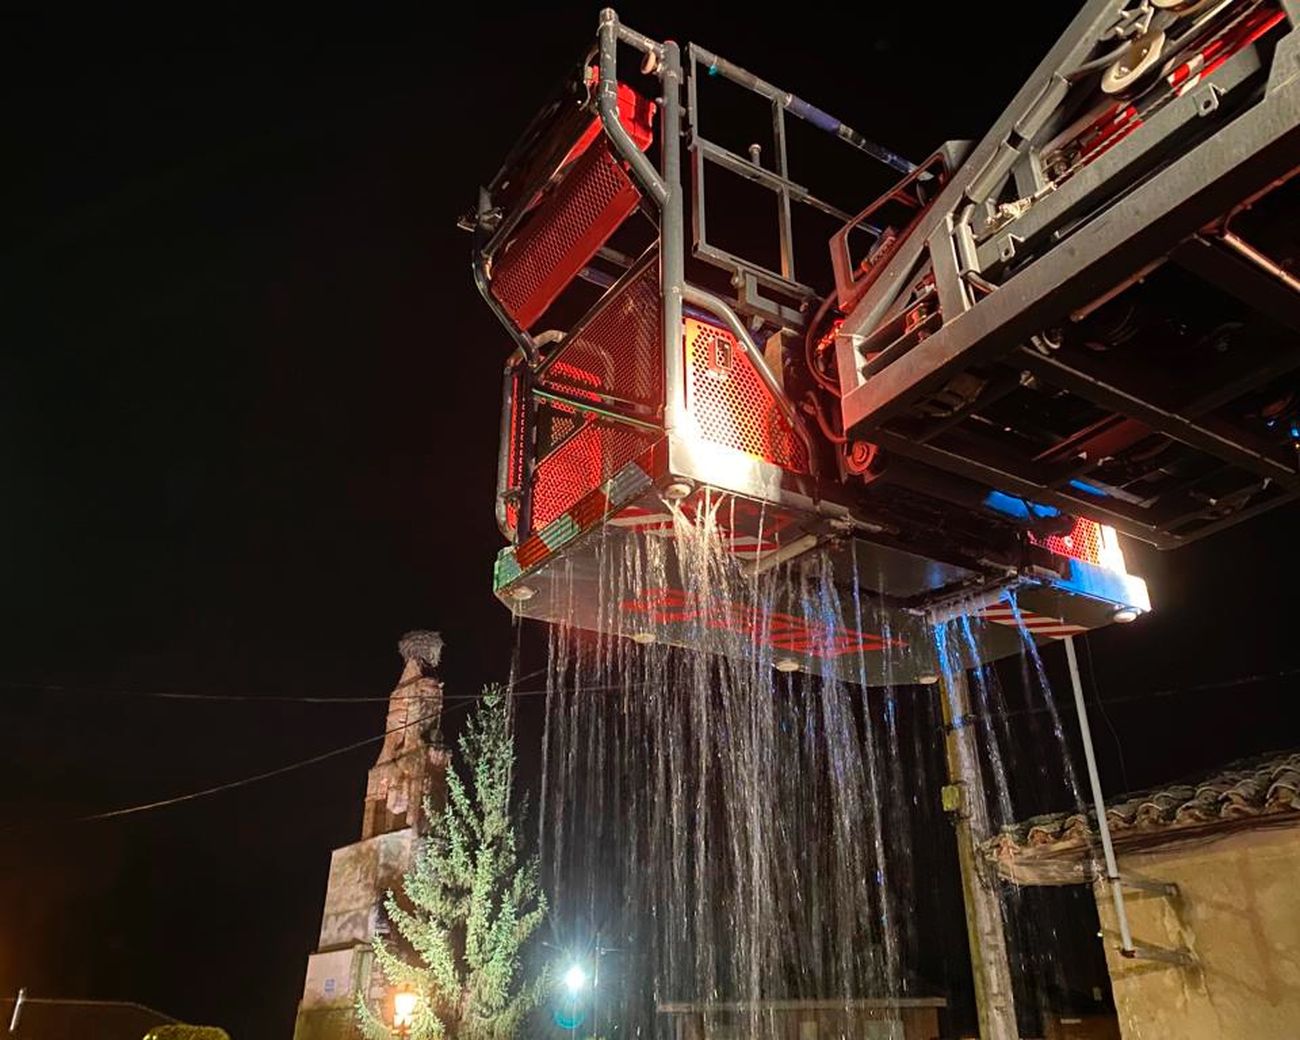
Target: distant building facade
x=1219 y=910
x=411 y=767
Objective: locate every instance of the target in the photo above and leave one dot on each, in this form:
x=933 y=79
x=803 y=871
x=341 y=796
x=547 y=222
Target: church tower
x=412 y=766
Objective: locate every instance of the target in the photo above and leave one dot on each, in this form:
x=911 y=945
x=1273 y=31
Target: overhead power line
x=1225 y=684
x=246 y=698
x=131 y=810
x=278 y=698
x=190 y=796
x=466 y=700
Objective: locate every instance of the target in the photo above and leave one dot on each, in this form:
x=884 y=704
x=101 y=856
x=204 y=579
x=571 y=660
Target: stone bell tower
x=411 y=767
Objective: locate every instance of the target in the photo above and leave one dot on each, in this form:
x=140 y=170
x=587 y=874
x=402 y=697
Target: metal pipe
x=1126 y=947
x=784 y=217
x=634 y=409
x=777 y=182
x=641 y=42
x=672 y=238
x=799 y=107
x=1269 y=266
x=527 y=455
x=763 y=564
x=719 y=307
x=478 y=264
x=583 y=405
x=607 y=108
x=523 y=342
x=967 y=604
x=1082 y=312
x=504 y=446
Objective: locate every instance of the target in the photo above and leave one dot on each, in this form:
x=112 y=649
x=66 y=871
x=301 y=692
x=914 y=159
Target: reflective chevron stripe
x=593 y=507
x=1035 y=624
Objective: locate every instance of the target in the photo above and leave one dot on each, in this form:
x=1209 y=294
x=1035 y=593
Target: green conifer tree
x=472 y=902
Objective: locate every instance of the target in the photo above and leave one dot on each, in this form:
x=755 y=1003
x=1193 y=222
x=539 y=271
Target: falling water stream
x=721 y=835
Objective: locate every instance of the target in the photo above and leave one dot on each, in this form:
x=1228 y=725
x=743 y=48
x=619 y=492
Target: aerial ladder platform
x=972 y=379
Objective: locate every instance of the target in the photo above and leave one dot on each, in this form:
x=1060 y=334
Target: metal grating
x=561 y=420
x=619 y=350
x=562 y=234
x=731 y=404
x=1082 y=543
x=616 y=353
x=585 y=461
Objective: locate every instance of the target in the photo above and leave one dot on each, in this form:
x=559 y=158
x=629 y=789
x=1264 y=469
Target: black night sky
x=248 y=422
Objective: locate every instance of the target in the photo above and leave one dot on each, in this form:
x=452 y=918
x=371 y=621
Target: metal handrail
x=607 y=102
x=797 y=106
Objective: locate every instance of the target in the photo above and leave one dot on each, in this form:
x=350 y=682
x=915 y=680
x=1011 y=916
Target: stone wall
x=360 y=875
x=412 y=763
x=1239 y=915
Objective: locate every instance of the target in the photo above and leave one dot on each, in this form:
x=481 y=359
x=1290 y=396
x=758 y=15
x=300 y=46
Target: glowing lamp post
x=575 y=984
x=575 y=980
x=403 y=1011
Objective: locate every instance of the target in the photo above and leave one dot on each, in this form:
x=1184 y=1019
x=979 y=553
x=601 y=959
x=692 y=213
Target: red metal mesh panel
x=620 y=350
x=618 y=353
x=1082 y=543
x=582 y=463
x=731 y=403
x=562 y=234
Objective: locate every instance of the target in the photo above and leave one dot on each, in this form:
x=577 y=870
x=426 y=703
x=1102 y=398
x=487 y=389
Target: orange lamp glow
x=404 y=1002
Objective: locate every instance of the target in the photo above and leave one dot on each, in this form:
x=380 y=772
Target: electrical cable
x=172 y=695
x=356 y=745
x=810 y=346
x=247 y=698
x=1225 y=684
x=131 y=810
x=161 y=803
x=813 y=407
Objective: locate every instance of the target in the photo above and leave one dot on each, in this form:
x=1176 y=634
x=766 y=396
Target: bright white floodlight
x=575 y=979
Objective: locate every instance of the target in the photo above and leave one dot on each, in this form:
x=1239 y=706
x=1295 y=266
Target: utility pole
x=964 y=800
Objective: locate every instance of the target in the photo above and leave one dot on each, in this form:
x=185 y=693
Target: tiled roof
x=1061 y=848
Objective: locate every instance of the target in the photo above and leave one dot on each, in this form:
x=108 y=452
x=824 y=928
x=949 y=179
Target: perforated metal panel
x=616 y=358
x=585 y=461
x=562 y=234
x=1082 y=543
x=730 y=402
x=618 y=350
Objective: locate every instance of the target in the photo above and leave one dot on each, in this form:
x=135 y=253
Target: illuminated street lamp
x=575 y=979
x=403 y=1011
x=580 y=983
